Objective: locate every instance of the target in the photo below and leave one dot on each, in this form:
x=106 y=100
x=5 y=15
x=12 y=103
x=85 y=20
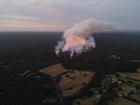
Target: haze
x=58 y=15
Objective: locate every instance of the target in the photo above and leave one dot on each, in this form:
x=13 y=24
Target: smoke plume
x=78 y=39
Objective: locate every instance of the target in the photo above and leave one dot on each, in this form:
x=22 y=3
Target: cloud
x=122 y=12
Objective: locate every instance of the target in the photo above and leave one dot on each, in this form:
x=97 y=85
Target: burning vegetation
x=78 y=39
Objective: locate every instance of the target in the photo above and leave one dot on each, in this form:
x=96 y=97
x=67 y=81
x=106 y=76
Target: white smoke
x=78 y=39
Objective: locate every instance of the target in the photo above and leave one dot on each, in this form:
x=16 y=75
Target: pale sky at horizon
x=58 y=15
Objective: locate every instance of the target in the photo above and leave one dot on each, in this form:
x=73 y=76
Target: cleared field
x=71 y=81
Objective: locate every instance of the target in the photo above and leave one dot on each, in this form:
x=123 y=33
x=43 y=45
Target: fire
x=78 y=42
x=75 y=42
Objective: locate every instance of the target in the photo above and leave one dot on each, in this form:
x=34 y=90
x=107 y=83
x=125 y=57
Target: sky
x=58 y=15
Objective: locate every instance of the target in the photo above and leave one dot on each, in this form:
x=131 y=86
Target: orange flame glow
x=74 y=43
